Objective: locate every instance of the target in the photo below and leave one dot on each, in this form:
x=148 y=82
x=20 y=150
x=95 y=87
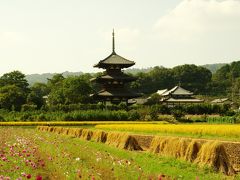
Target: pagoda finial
x=113 y=42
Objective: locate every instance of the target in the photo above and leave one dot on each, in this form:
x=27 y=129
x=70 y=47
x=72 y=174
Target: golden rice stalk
x=99 y=136
x=170 y=146
x=123 y=141
x=213 y=154
x=192 y=150
x=86 y=134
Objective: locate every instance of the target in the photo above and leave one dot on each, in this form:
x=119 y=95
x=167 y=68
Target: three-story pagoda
x=113 y=80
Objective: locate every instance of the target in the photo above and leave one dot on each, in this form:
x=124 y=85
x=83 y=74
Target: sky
x=41 y=36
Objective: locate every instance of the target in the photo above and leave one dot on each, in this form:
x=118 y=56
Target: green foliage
x=2 y=119
x=153 y=113
x=225 y=80
x=13 y=90
x=28 y=107
x=177 y=112
x=69 y=90
x=11 y=96
x=83 y=115
x=221 y=120
x=154 y=99
x=15 y=78
x=192 y=77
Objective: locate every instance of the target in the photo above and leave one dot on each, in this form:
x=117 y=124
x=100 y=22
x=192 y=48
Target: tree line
x=15 y=92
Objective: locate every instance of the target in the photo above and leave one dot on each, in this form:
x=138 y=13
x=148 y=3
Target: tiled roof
x=114 y=59
x=177 y=90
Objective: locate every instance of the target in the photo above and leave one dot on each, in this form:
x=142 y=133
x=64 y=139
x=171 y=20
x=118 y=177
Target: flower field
x=199 y=130
x=30 y=154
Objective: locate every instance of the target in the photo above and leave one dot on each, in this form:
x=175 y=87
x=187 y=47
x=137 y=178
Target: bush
x=2 y=119
x=28 y=107
x=178 y=112
x=41 y=117
x=134 y=115
x=26 y=117
x=221 y=120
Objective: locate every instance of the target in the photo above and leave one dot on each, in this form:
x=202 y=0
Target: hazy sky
x=38 y=36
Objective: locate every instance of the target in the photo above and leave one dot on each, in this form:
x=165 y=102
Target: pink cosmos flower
x=39 y=178
x=29 y=176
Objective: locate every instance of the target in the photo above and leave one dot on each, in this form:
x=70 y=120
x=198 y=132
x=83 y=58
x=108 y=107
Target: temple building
x=113 y=80
x=177 y=95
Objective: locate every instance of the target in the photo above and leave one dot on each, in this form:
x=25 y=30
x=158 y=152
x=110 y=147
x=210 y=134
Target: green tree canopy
x=70 y=90
x=11 y=97
x=15 y=78
x=192 y=77
x=38 y=90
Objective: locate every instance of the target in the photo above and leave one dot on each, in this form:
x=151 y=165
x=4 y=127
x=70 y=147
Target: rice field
x=195 y=130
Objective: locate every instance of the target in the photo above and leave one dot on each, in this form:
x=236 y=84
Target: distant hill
x=137 y=70
x=33 y=78
x=214 y=67
x=42 y=78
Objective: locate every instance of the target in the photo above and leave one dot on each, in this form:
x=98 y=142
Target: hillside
x=32 y=78
x=214 y=67
x=42 y=78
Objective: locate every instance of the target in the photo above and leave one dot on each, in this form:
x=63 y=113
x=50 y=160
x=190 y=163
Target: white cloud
x=193 y=19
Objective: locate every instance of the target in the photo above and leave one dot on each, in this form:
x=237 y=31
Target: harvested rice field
x=71 y=153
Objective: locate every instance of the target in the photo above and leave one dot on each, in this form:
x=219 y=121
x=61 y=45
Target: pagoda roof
x=116 y=92
x=119 y=76
x=177 y=90
x=114 y=59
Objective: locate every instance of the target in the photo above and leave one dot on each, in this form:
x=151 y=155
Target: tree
x=12 y=97
x=161 y=77
x=70 y=90
x=76 y=90
x=15 y=78
x=14 y=90
x=37 y=91
x=55 y=81
x=192 y=77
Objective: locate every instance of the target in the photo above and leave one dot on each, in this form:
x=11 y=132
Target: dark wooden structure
x=113 y=79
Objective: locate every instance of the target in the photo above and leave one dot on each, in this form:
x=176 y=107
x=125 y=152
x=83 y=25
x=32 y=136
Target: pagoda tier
x=113 y=79
x=114 y=61
x=122 y=94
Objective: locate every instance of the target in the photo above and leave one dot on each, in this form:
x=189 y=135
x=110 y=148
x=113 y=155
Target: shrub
x=28 y=107
x=221 y=120
x=177 y=112
x=134 y=115
x=2 y=119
